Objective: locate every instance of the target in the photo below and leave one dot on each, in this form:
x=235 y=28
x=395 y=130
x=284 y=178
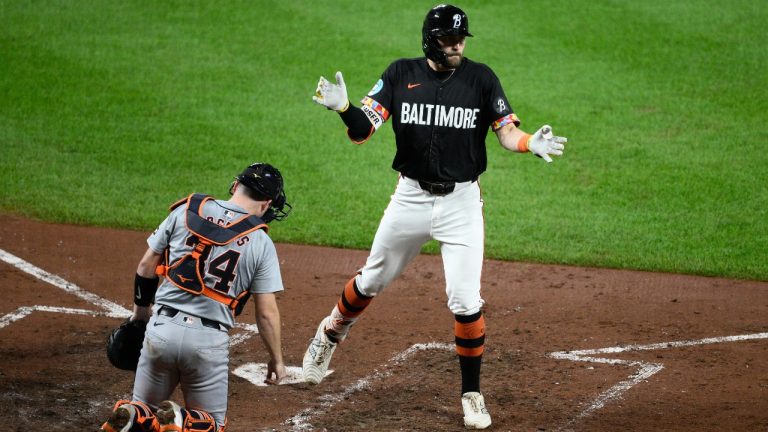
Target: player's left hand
x=543 y=143
x=330 y=95
x=275 y=372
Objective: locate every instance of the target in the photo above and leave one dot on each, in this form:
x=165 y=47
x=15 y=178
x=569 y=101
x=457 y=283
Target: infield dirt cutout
x=567 y=348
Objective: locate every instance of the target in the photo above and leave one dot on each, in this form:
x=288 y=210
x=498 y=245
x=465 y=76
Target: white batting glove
x=330 y=95
x=543 y=143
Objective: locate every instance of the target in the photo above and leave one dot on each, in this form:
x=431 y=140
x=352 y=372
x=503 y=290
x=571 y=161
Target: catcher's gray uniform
x=187 y=339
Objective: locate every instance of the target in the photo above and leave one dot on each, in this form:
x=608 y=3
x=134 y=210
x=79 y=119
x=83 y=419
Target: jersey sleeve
x=159 y=240
x=498 y=105
x=377 y=103
x=267 y=278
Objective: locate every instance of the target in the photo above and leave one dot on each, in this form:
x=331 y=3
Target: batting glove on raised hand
x=330 y=95
x=543 y=143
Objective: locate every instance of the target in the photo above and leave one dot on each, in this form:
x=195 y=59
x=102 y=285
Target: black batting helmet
x=266 y=183
x=442 y=20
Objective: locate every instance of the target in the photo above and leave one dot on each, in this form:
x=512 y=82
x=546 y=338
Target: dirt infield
x=567 y=348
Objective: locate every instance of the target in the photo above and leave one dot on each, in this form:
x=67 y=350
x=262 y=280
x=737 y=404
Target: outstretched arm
x=268 y=321
x=542 y=143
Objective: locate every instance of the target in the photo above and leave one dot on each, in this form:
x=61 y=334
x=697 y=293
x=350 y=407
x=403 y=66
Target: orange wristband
x=522 y=143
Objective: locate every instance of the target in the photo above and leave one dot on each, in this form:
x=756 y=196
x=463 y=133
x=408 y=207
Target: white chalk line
x=24 y=311
x=302 y=420
x=111 y=309
x=248 y=330
x=645 y=369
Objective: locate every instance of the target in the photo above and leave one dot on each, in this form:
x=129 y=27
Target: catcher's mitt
x=124 y=344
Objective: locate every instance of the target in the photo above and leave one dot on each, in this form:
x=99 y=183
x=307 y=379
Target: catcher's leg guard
x=173 y=418
x=130 y=416
x=470 y=343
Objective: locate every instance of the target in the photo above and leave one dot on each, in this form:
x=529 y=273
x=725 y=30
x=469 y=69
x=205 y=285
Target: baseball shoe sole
x=121 y=419
x=169 y=416
x=475 y=414
x=318 y=355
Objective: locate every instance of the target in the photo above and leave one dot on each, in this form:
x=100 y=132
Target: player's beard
x=453 y=61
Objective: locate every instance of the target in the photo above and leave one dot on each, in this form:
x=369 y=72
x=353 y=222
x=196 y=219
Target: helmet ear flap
x=431 y=47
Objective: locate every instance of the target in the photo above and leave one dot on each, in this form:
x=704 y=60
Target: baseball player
x=441 y=107
x=214 y=255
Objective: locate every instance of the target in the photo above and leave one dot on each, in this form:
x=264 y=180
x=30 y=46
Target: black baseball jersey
x=440 y=125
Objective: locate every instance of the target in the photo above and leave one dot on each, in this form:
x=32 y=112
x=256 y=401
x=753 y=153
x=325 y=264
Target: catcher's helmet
x=267 y=183
x=442 y=20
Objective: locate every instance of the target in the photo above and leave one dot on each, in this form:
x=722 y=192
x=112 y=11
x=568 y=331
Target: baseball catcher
x=213 y=255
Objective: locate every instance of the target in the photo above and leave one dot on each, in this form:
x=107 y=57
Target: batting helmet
x=267 y=183
x=124 y=344
x=442 y=20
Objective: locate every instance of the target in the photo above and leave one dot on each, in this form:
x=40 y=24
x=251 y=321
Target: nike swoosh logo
x=184 y=280
x=158 y=323
x=410 y=86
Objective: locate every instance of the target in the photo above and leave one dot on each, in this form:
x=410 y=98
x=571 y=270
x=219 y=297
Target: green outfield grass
x=111 y=110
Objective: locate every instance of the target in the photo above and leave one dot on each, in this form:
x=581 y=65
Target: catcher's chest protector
x=188 y=272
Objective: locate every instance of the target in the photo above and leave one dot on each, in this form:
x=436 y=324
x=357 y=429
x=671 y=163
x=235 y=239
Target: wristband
x=346 y=107
x=144 y=290
x=522 y=143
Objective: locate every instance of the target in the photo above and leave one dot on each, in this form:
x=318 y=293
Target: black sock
x=470 y=373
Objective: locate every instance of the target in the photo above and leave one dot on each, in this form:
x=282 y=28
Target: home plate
x=256 y=373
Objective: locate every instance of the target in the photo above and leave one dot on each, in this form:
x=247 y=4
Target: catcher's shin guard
x=470 y=343
x=130 y=416
x=351 y=304
x=172 y=417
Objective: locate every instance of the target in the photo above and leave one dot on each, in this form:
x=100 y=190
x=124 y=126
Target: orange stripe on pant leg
x=352 y=303
x=470 y=337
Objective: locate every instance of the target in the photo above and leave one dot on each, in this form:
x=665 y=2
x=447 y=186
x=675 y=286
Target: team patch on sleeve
x=376 y=113
x=376 y=88
x=507 y=119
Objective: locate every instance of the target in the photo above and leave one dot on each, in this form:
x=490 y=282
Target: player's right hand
x=543 y=143
x=275 y=372
x=330 y=95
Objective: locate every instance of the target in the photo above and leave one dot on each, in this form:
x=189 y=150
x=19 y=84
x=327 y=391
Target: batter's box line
x=248 y=330
x=302 y=420
x=645 y=369
x=24 y=311
x=112 y=310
